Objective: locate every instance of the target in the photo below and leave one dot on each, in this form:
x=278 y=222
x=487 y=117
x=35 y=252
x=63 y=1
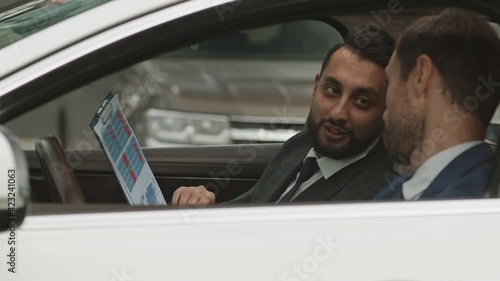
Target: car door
x=444 y=240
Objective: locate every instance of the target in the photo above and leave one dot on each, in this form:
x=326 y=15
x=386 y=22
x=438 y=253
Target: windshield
x=18 y=22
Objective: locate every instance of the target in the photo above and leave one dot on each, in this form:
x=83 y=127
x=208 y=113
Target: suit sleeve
x=243 y=198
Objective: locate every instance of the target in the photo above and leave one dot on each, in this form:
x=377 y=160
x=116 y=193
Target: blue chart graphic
x=150 y=197
x=116 y=136
x=112 y=142
x=135 y=155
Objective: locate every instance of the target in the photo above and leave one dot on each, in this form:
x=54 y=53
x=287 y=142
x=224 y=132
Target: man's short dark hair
x=465 y=50
x=372 y=44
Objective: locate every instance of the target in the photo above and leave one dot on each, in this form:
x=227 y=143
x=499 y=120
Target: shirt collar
x=430 y=169
x=329 y=166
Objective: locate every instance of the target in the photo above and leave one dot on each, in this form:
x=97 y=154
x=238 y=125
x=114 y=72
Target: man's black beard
x=354 y=146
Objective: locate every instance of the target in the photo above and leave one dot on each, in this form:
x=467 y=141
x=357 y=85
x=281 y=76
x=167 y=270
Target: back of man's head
x=369 y=43
x=465 y=49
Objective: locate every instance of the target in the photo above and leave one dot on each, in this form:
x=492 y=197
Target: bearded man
x=341 y=156
x=442 y=94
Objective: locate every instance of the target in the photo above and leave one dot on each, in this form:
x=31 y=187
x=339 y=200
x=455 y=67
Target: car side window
x=250 y=86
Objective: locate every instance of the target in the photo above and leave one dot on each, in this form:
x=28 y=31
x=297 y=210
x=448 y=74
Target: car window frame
x=39 y=15
x=165 y=36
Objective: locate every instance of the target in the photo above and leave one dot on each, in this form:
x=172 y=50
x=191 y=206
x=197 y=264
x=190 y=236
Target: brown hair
x=466 y=51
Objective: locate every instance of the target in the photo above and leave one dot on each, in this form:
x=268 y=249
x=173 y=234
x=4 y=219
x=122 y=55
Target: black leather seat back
x=62 y=182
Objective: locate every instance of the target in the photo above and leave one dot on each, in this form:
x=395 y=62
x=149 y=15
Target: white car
x=50 y=67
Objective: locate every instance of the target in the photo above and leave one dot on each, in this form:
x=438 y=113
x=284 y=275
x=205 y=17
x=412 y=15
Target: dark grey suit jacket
x=361 y=180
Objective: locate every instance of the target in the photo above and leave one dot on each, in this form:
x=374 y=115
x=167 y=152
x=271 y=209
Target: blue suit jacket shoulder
x=464 y=177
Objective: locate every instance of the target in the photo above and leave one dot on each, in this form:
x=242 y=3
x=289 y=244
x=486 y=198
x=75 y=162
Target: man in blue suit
x=442 y=93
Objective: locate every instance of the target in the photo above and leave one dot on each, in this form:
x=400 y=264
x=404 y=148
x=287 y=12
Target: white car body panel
x=46 y=41
x=50 y=40
x=419 y=241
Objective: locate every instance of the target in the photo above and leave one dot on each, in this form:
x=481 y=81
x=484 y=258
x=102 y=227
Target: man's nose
x=340 y=110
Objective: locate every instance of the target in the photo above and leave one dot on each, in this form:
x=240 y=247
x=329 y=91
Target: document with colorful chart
x=119 y=143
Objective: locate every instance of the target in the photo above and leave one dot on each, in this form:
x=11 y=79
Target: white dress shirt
x=430 y=169
x=327 y=167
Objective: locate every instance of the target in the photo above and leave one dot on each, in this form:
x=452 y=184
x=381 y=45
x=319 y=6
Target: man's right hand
x=193 y=196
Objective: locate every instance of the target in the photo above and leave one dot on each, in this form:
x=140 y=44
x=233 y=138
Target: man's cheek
x=387 y=123
x=384 y=120
x=315 y=112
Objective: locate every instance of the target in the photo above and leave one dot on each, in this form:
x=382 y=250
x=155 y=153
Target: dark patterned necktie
x=309 y=167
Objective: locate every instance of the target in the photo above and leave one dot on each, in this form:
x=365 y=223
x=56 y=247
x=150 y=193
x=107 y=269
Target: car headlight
x=165 y=126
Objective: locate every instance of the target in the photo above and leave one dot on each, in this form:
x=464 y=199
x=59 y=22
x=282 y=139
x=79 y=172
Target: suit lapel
x=323 y=190
x=394 y=189
x=458 y=167
x=288 y=167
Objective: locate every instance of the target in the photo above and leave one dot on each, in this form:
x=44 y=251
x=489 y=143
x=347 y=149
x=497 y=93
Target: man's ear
x=316 y=83
x=423 y=71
